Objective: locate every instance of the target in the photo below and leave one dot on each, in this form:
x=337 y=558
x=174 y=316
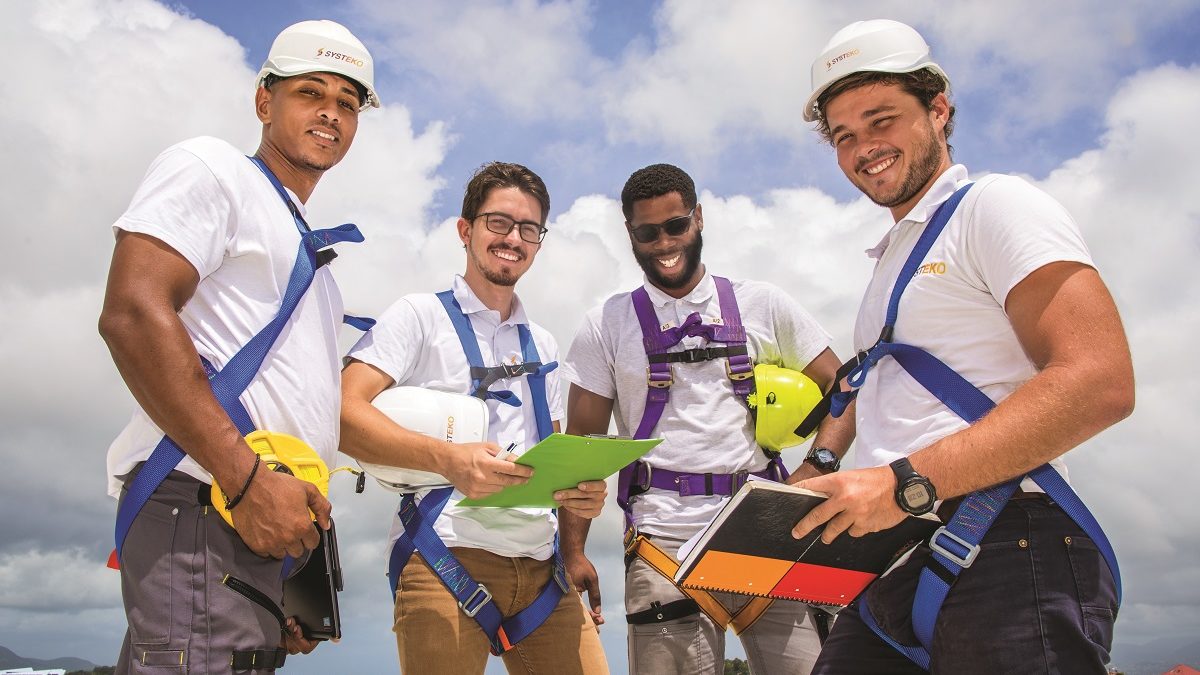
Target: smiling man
x=673 y=360
x=212 y=252
x=990 y=347
x=478 y=578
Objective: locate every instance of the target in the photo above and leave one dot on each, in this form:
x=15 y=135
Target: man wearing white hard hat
x=222 y=316
x=989 y=347
x=466 y=581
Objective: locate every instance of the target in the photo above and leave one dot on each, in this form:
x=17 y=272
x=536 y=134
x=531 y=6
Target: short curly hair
x=923 y=84
x=498 y=175
x=657 y=180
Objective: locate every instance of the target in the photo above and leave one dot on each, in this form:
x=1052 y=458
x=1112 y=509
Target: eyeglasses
x=648 y=232
x=502 y=223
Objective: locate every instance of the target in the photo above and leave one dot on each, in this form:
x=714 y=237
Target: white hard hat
x=456 y=418
x=321 y=46
x=878 y=45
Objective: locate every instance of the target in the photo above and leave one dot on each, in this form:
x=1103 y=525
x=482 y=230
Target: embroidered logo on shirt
x=931 y=268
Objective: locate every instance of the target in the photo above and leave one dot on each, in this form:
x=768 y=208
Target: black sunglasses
x=648 y=232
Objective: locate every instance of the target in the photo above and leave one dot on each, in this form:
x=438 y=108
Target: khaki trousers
x=783 y=640
x=434 y=637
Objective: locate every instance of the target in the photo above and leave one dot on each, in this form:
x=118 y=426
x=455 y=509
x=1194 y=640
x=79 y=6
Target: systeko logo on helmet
x=878 y=45
x=321 y=47
x=340 y=57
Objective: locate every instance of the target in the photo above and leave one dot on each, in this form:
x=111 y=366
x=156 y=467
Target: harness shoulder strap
x=236 y=375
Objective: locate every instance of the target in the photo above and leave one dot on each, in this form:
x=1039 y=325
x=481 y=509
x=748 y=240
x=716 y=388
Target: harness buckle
x=963 y=561
x=466 y=605
x=660 y=384
x=644 y=485
x=738 y=377
x=560 y=578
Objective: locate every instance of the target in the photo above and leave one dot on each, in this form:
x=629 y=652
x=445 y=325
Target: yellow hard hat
x=782 y=398
x=278 y=450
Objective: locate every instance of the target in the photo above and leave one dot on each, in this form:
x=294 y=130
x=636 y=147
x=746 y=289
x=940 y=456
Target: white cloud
x=528 y=58
x=114 y=83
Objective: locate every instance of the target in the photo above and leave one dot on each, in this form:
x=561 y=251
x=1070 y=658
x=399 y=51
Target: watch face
x=917 y=496
x=824 y=456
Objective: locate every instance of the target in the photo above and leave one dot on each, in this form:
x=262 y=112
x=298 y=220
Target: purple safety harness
x=639 y=476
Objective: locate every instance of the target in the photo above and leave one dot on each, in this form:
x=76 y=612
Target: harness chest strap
x=659 y=378
x=663 y=563
x=473 y=598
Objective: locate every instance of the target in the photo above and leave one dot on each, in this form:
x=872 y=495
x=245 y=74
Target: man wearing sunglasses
x=509 y=553
x=709 y=444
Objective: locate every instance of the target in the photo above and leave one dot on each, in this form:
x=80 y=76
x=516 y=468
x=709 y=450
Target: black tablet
x=310 y=595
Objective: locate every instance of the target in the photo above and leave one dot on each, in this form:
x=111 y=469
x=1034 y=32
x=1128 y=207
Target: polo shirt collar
x=471 y=304
x=699 y=295
x=943 y=186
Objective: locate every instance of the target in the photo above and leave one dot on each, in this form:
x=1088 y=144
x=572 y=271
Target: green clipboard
x=564 y=461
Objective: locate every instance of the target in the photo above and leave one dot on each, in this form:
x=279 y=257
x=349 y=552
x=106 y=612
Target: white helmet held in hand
x=321 y=46
x=878 y=45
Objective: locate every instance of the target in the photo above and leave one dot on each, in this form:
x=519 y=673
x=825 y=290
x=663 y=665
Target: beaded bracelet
x=230 y=503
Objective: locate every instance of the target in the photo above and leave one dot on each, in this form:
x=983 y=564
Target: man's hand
x=860 y=502
x=475 y=471
x=293 y=639
x=273 y=517
x=585 y=500
x=582 y=574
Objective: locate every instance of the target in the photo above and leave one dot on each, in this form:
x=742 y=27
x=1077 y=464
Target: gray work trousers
x=181 y=618
x=783 y=640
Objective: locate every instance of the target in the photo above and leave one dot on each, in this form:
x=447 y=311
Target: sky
x=1098 y=108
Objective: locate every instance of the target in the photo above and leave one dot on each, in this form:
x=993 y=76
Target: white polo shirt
x=212 y=205
x=704 y=428
x=1003 y=229
x=414 y=342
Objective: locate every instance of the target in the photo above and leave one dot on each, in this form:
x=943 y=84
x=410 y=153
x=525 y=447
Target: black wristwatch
x=914 y=492
x=823 y=459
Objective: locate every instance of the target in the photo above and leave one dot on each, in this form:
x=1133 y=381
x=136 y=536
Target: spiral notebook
x=749 y=549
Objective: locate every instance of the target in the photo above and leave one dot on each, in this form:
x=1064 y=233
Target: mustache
x=874 y=157
x=505 y=246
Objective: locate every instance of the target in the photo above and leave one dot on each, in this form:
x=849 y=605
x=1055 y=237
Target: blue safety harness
x=954 y=546
x=229 y=382
x=473 y=597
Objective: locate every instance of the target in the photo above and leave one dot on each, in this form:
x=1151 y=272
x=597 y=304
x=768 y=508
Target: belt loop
x=708 y=484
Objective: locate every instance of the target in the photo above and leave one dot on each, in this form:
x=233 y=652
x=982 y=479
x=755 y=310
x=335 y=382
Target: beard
x=925 y=163
x=499 y=277
x=687 y=266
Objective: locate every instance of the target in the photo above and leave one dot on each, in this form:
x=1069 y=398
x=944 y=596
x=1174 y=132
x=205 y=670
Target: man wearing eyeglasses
x=708 y=445
x=510 y=552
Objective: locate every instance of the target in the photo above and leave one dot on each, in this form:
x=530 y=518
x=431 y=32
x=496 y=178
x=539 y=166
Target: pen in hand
x=507 y=452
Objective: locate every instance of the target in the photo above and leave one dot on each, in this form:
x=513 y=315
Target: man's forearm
x=837 y=433
x=572 y=532
x=371 y=436
x=1047 y=416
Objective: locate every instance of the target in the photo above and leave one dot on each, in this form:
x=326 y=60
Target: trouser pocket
x=1095 y=589
x=149 y=585
x=671 y=647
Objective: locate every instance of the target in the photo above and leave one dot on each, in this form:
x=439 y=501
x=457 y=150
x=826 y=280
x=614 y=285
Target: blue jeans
x=1038 y=599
